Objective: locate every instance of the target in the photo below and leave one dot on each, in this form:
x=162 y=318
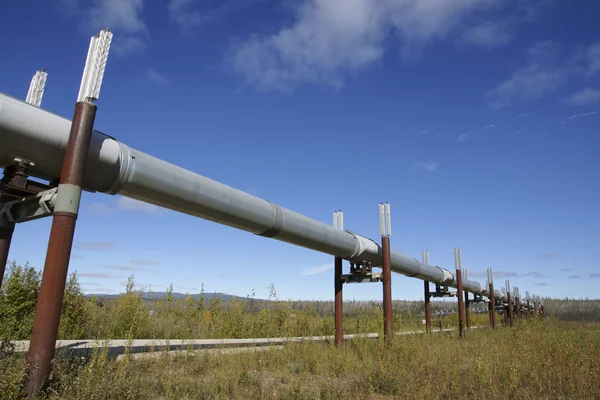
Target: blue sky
x=476 y=119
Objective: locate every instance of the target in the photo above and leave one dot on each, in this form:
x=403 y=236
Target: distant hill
x=176 y=295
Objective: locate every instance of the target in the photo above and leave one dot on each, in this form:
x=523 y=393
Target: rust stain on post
x=339 y=305
x=387 y=288
x=461 y=305
x=48 y=308
x=492 y=307
x=467 y=310
x=510 y=310
x=6 y=233
x=427 y=308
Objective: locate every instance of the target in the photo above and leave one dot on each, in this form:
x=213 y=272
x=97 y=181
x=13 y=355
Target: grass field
x=536 y=360
x=554 y=358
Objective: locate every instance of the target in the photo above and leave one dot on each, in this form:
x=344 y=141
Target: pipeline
x=114 y=168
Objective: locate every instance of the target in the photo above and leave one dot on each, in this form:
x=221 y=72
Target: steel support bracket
x=362 y=278
x=442 y=291
x=29 y=208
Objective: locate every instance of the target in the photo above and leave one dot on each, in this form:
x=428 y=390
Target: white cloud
x=156 y=77
x=593 y=58
x=98 y=208
x=439 y=135
x=127 y=204
x=427 y=165
x=489 y=126
x=122 y=17
x=489 y=34
x=586 y=114
x=523 y=115
x=332 y=39
x=421 y=133
x=146 y=262
x=539 y=77
x=188 y=14
x=583 y=97
x=464 y=136
x=317 y=270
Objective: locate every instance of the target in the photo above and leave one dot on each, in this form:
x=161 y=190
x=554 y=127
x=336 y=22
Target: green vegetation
x=536 y=359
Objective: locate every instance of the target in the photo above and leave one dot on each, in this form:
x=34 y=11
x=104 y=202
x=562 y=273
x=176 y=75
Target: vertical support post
x=528 y=312
x=6 y=233
x=427 y=294
x=386 y=231
x=34 y=97
x=339 y=303
x=459 y=292
x=467 y=303
x=338 y=223
x=492 y=299
x=49 y=304
x=510 y=304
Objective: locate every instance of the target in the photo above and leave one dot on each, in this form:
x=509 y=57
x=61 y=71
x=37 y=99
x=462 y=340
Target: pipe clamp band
x=68 y=198
x=278 y=220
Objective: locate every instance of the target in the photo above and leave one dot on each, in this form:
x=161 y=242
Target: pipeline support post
x=459 y=290
x=492 y=299
x=6 y=233
x=339 y=303
x=467 y=303
x=510 y=304
x=49 y=304
x=338 y=223
x=427 y=294
x=386 y=231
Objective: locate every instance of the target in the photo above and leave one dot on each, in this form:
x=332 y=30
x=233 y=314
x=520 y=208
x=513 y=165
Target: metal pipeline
x=114 y=168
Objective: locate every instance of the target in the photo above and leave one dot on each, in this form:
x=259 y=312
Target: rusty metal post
x=541 y=311
x=427 y=308
x=467 y=303
x=492 y=306
x=510 y=309
x=506 y=316
x=49 y=304
x=387 y=288
x=385 y=226
x=467 y=310
x=339 y=304
x=47 y=313
x=6 y=233
x=459 y=292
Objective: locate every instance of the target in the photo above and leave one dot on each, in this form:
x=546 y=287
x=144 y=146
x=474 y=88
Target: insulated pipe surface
x=114 y=168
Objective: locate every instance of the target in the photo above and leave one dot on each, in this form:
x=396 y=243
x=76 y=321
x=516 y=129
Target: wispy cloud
x=122 y=267
x=317 y=270
x=583 y=97
x=489 y=34
x=427 y=165
x=565 y=269
x=99 y=275
x=329 y=40
x=146 y=262
x=464 y=136
x=523 y=115
x=540 y=76
x=153 y=76
x=489 y=126
x=123 y=17
x=189 y=14
x=93 y=245
x=585 y=114
x=439 y=135
x=127 y=204
x=594 y=275
x=421 y=133
x=549 y=256
x=574 y=277
x=541 y=284
x=593 y=59
x=98 y=208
